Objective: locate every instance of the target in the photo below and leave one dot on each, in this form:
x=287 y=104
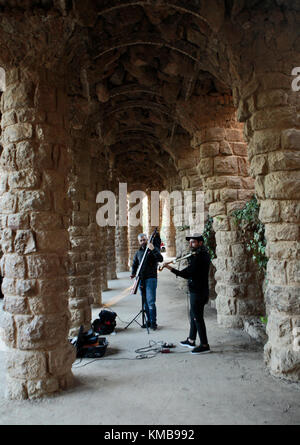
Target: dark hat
x=196 y=236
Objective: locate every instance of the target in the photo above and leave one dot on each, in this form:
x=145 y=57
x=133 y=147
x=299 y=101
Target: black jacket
x=197 y=272
x=149 y=269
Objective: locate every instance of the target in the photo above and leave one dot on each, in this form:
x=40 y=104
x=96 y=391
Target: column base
x=19 y=389
x=282 y=362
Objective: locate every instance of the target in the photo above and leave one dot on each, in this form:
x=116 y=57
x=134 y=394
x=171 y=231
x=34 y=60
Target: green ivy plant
x=182 y=228
x=209 y=237
x=254 y=232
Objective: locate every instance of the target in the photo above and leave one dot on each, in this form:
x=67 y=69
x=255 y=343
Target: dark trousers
x=197 y=303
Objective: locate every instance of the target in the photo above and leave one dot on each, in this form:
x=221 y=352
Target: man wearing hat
x=197 y=275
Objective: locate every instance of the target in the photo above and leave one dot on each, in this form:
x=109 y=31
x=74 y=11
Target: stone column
x=34 y=168
x=121 y=246
x=133 y=232
x=111 y=253
x=170 y=234
x=81 y=264
x=227 y=185
x=150 y=228
x=269 y=108
x=97 y=255
x=111 y=242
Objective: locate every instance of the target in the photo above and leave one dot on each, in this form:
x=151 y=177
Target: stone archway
x=159 y=90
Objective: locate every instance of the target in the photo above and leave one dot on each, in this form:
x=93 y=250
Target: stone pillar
x=81 y=263
x=227 y=185
x=269 y=109
x=111 y=253
x=133 y=232
x=121 y=246
x=150 y=228
x=170 y=234
x=111 y=242
x=96 y=251
x=34 y=204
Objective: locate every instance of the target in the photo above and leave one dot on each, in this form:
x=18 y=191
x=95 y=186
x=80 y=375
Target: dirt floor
x=228 y=386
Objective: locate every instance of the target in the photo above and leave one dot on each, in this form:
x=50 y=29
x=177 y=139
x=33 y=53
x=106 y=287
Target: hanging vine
x=254 y=232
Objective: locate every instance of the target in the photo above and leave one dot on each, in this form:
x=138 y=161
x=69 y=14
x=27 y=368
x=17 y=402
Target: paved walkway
x=228 y=386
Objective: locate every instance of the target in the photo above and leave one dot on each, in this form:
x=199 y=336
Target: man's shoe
x=201 y=350
x=153 y=327
x=188 y=343
x=146 y=325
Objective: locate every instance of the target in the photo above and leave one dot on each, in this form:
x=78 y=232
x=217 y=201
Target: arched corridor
x=160 y=96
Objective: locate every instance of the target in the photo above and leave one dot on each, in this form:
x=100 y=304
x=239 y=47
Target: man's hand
x=167 y=266
x=150 y=246
x=132 y=276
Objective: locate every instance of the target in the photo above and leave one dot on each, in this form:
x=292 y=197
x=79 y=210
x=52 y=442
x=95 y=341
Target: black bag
x=89 y=345
x=106 y=322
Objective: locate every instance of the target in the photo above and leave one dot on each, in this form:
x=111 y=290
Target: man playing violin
x=197 y=275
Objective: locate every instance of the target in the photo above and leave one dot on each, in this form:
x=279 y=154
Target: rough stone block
x=53 y=241
x=24 y=179
x=17 y=133
x=8 y=328
x=42 y=266
x=24 y=242
x=34 y=200
x=48 y=287
x=284 y=160
x=226 y=166
x=43 y=221
x=283 y=185
x=8 y=202
x=36 y=332
x=290 y=211
x=239 y=149
x=270 y=117
x=14 y=266
x=272 y=98
x=269 y=211
x=18 y=221
x=225 y=148
x=259 y=165
x=26 y=287
x=15 y=305
x=217 y=209
x=276 y=270
x=293 y=275
x=209 y=150
x=234 y=135
x=26 y=364
x=40 y=388
x=290 y=139
x=267 y=140
x=16 y=389
x=61 y=359
x=8 y=118
x=227 y=195
x=283 y=249
x=19 y=95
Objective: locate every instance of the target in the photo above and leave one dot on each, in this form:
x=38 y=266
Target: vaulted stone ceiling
x=140 y=72
x=145 y=62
